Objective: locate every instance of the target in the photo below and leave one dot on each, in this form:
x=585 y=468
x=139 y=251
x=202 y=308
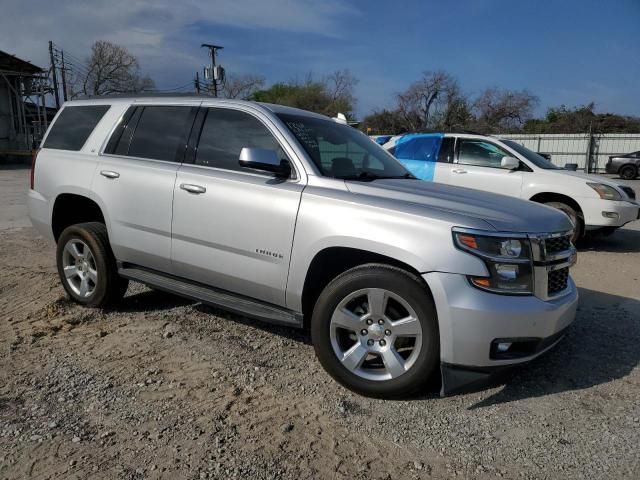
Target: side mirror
x=510 y=163
x=264 y=160
x=571 y=167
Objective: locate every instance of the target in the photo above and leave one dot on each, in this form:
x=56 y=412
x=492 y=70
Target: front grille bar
x=545 y=262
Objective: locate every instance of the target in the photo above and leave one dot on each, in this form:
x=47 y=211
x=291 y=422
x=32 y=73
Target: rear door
x=135 y=180
x=232 y=226
x=477 y=164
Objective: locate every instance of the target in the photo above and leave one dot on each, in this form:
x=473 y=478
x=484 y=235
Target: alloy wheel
x=79 y=267
x=375 y=334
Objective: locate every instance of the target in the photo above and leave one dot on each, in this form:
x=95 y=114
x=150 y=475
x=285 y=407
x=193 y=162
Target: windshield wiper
x=370 y=176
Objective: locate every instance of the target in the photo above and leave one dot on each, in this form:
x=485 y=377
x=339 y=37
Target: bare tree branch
x=109 y=69
x=242 y=86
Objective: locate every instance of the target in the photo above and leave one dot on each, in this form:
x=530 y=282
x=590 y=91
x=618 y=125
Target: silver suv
x=297 y=219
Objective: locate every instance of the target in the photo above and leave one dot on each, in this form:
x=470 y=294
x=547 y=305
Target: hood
x=586 y=177
x=583 y=178
x=505 y=214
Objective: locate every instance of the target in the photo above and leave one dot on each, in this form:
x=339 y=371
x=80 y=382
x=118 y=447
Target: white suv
x=506 y=167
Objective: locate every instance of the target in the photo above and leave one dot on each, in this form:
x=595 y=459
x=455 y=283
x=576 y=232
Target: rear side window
x=73 y=126
x=161 y=132
x=225 y=132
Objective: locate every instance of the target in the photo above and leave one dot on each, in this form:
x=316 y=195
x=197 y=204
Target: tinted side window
x=225 y=132
x=121 y=136
x=73 y=126
x=480 y=153
x=446 y=150
x=160 y=132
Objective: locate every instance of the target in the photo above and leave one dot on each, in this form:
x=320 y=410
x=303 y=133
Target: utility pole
x=64 y=77
x=213 y=75
x=196 y=83
x=55 y=77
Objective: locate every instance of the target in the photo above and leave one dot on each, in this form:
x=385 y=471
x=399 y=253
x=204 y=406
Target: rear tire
x=628 y=172
x=375 y=330
x=87 y=267
x=575 y=217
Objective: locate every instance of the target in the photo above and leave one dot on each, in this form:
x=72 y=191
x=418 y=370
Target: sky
x=568 y=52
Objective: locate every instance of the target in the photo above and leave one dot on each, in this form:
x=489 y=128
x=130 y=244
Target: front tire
x=375 y=330
x=575 y=217
x=87 y=267
x=628 y=172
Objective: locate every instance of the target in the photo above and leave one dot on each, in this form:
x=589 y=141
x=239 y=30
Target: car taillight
x=34 y=155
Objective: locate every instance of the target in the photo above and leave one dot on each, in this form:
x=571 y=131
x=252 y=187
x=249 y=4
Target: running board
x=205 y=294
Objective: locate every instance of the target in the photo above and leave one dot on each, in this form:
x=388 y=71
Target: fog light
x=503 y=347
x=610 y=215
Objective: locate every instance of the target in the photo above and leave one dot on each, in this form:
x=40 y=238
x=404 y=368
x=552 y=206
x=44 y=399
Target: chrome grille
x=557 y=281
x=557 y=244
x=553 y=255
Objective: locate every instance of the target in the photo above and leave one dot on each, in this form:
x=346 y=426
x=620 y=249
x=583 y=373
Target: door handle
x=459 y=170
x=197 y=189
x=109 y=174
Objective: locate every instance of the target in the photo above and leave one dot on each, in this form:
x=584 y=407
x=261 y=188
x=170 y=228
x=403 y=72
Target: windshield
x=538 y=160
x=340 y=151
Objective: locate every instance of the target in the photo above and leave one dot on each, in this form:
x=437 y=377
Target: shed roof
x=13 y=64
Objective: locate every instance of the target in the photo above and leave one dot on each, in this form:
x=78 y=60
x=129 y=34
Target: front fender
x=425 y=244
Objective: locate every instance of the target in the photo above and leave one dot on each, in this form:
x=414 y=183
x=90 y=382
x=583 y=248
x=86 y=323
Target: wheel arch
x=330 y=262
x=545 y=197
x=71 y=208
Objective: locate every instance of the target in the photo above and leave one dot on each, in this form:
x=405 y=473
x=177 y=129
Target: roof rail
x=143 y=95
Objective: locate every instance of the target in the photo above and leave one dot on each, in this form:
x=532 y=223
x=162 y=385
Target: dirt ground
x=167 y=388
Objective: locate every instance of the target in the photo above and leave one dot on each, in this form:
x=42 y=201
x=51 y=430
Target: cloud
x=156 y=31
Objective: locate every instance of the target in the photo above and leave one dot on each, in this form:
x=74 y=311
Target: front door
x=478 y=165
x=232 y=226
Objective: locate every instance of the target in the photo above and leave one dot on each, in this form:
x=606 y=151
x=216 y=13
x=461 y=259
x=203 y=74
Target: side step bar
x=205 y=294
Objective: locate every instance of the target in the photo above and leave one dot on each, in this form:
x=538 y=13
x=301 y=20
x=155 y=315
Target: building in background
x=24 y=116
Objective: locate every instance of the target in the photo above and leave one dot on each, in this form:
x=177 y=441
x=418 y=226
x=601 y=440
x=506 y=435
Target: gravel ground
x=166 y=388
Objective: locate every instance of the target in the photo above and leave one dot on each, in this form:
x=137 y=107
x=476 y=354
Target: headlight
x=605 y=191
x=508 y=261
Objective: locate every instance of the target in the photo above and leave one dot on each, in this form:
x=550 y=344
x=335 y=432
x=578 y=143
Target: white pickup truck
x=504 y=166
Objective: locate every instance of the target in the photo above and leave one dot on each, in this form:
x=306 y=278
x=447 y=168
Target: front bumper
x=470 y=320
x=621 y=212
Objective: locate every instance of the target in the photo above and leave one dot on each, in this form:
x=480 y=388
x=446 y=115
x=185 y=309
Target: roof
x=149 y=97
x=13 y=64
x=409 y=135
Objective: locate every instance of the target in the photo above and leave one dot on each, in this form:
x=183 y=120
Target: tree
x=425 y=101
x=340 y=87
x=111 y=69
x=329 y=95
x=503 y=110
x=581 y=119
x=242 y=86
x=383 y=122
